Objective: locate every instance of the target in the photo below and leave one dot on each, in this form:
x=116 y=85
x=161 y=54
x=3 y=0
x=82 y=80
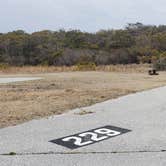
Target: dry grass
x=84 y=112
x=51 y=69
x=59 y=92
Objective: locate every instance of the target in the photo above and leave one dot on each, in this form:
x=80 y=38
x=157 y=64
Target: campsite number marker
x=90 y=137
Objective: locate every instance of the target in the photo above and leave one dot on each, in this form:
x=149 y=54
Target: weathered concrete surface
x=143 y=113
x=131 y=159
x=17 y=79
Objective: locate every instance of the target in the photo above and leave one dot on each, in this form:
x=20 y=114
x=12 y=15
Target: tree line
x=137 y=43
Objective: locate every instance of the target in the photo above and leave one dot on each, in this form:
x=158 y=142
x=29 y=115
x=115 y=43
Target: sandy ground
x=60 y=92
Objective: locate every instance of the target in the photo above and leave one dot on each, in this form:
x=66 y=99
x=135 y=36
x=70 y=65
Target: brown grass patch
x=51 y=69
x=59 y=92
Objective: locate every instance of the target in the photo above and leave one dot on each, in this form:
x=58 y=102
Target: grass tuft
x=12 y=153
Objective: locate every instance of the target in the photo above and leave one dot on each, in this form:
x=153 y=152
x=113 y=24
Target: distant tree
x=137 y=43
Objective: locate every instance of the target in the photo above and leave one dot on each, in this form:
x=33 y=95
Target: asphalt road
x=143 y=113
x=17 y=79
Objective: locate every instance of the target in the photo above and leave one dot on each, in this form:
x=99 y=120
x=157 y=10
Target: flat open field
x=60 y=92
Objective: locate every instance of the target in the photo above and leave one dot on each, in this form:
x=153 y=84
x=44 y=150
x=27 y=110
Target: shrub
x=3 y=66
x=86 y=66
x=160 y=64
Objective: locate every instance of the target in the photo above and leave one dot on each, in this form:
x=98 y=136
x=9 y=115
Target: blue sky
x=86 y=15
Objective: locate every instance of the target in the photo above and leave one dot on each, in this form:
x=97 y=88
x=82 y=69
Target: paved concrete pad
x=17 y=79
x=144 y=113
x=138 y=159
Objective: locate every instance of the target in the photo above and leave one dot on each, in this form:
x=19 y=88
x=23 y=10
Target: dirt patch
x=60 y=92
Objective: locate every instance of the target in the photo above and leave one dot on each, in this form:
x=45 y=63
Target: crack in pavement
x=84 y=153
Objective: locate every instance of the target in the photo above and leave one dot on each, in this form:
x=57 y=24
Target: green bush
x=86 y=66
x=3 y=66
x=160 y=64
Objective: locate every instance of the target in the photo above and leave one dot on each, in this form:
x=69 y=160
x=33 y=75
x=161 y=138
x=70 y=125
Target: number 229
x=94 y=136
